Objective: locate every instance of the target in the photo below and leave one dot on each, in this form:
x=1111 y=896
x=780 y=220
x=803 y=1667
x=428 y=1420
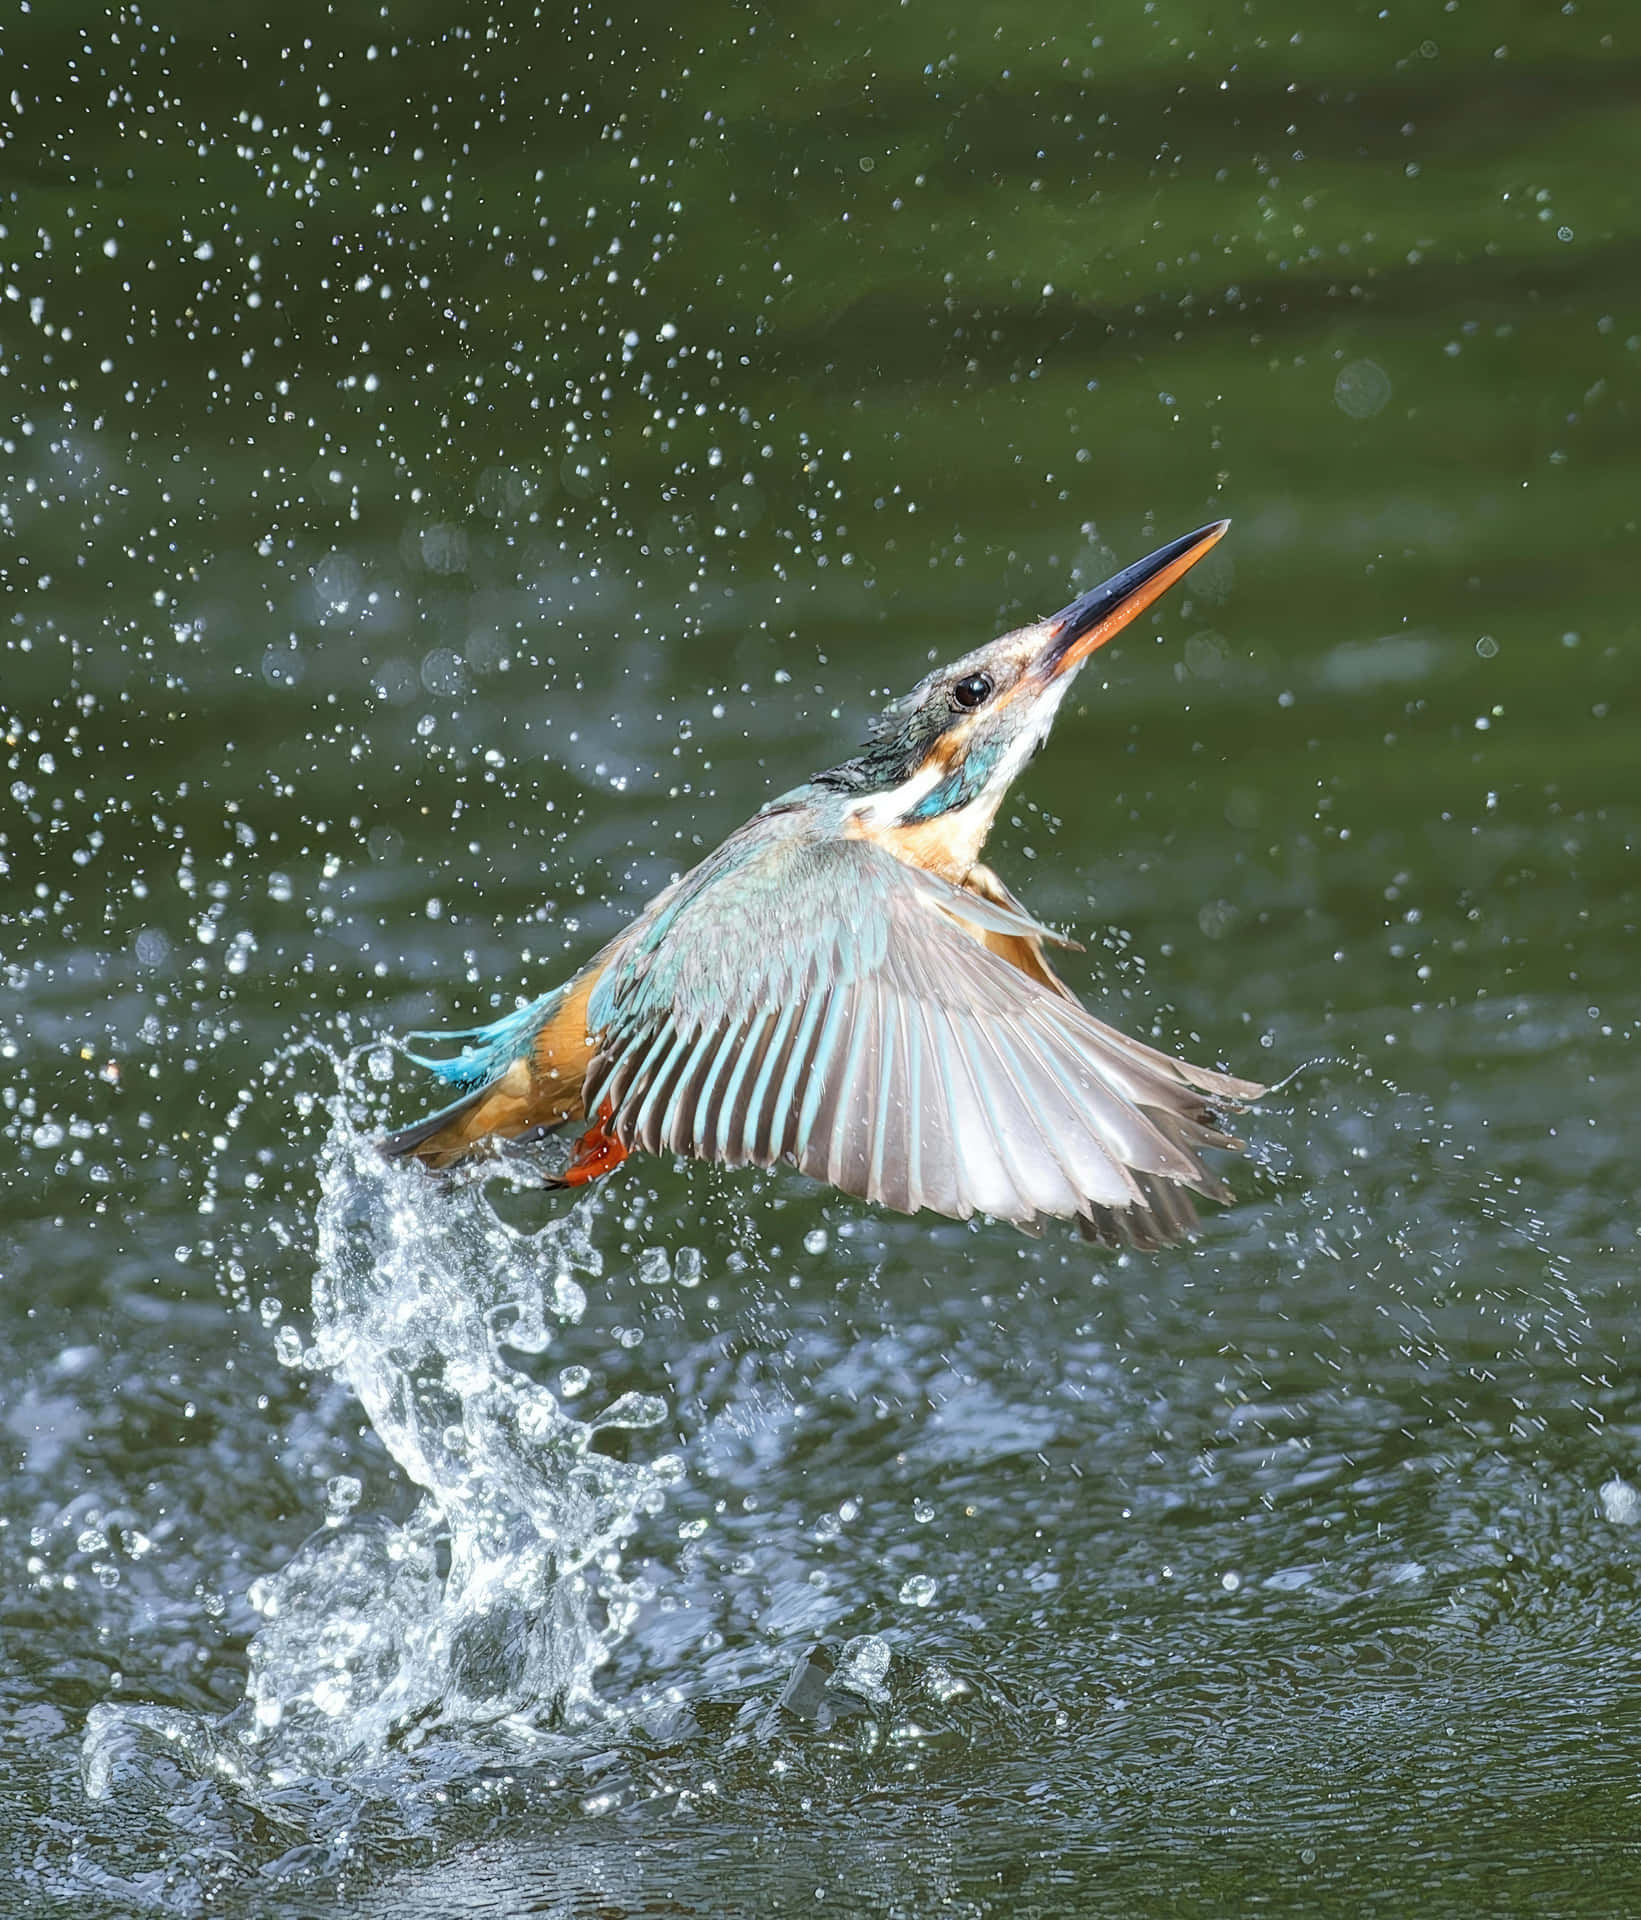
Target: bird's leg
x=596 y=1154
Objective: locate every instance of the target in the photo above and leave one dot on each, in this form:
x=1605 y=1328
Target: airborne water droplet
x=1362 y=389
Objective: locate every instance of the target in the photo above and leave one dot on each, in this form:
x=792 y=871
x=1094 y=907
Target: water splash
x=493 y=1606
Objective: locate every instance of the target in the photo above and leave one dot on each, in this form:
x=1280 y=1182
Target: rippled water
x=457 y=466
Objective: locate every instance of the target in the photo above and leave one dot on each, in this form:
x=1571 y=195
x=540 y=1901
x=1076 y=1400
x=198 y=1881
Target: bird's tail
x=508 y=1085
x=451 y=1134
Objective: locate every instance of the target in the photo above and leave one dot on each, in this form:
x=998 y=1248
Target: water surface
x=457 y=466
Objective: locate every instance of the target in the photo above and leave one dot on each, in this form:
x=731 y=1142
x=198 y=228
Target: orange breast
x=948 y=845
x=562 y=1053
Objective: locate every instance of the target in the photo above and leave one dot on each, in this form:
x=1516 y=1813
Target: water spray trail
x=496 y=1602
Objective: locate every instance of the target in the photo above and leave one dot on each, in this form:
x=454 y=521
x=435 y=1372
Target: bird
x=845 y=987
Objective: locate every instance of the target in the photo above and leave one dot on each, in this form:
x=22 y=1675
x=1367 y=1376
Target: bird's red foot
x=597 y=1153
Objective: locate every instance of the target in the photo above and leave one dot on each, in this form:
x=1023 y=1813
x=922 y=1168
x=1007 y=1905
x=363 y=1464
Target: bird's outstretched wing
x=821 y=1003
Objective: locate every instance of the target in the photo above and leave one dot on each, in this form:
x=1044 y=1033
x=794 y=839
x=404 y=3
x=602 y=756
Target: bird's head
x=941 y=758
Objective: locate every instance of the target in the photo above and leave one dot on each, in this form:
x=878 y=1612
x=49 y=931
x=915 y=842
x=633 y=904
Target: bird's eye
x=973 y=691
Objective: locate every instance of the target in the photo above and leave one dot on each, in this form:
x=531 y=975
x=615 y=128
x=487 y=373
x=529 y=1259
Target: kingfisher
x=844 y=987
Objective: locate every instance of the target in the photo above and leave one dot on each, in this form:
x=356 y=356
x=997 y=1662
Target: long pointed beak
x=1090 y=621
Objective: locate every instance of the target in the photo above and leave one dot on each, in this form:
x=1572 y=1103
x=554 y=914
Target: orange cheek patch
x=947 y=752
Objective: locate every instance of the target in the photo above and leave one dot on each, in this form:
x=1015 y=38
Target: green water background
x=458 y=462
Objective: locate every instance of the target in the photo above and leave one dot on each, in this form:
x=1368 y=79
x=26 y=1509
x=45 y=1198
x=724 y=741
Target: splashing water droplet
x=342 y=1494
x=633 y=1410
x=1620 y=1503
x=1362 y=389
x=863 y=1667
x=654 y=1267
x=495 y=1603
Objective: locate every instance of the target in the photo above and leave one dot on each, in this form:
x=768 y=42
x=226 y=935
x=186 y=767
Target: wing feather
x=646 y=1124
x=887 y=1118
x=936 y=1165
x=822 y=1003
x=820 y=1076
x=722 y=1142
x=703 y=1121
x=676 y=1122
x=646 y=1062
x=906 y=1190
x=754 y=1111
x=853 y=1129
x=614 y=1074
x=1033 y=1162
x=778 y=1124
x=1071 y=1147
x=980 y=1153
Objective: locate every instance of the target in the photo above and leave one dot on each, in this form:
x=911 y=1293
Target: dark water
x=458 y=463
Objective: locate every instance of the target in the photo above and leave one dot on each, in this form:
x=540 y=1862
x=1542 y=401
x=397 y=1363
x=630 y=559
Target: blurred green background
x=458 y=462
